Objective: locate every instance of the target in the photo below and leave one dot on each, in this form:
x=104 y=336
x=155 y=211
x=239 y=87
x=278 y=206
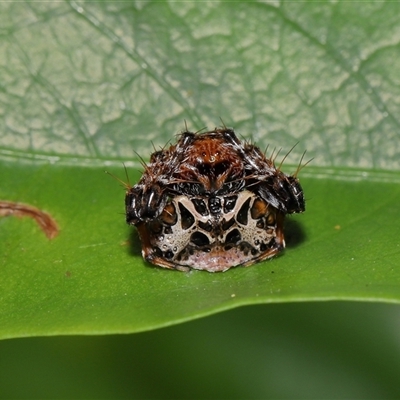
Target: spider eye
x=212 y=170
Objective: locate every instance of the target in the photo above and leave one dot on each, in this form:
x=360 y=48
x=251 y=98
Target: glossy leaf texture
x=87 y=86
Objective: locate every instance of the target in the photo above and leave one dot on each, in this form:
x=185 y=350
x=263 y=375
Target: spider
x=212 y=202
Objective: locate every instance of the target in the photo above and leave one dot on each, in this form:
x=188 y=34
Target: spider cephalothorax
x=211 y=202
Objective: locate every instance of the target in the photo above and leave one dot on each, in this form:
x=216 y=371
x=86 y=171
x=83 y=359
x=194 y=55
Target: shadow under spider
x=135 y=246
x=294 y=233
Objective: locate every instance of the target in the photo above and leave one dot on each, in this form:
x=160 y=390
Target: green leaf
x=87 y=86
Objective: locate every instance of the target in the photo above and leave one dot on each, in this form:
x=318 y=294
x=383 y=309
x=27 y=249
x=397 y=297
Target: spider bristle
x=300 y=167
x=276 y=155
x=223 y=123
x=265 y=151
x=127 y=176
x=202 y=129
x=271 y=157
x=142 y=162
x=125 y=185
x=284 y=158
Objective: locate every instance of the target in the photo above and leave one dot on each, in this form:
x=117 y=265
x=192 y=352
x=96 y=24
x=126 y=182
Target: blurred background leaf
x=86 y=85
x=281 y=351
